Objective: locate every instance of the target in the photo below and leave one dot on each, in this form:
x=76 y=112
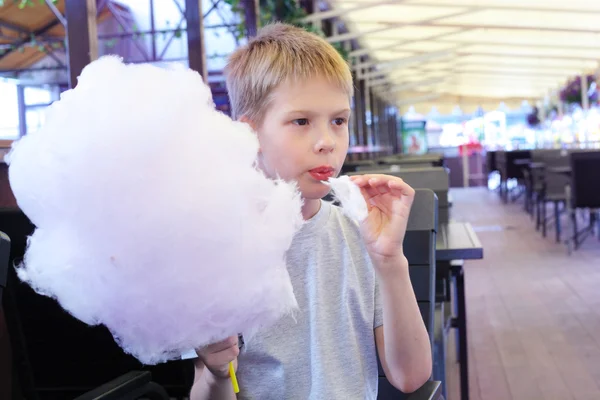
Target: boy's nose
x=325 y=144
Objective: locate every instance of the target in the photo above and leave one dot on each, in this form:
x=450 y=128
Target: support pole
x=195 y=37
x=82 y=36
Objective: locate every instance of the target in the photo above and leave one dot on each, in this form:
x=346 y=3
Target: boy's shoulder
x=333 y=226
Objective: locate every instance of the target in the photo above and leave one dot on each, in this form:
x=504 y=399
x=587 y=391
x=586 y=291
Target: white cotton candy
x=348 y=193
x=151 y=216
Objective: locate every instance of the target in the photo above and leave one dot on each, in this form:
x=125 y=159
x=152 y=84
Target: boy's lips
x=322 y=173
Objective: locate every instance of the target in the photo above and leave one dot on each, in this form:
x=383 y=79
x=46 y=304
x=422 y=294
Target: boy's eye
x=300 y=121
x=339 y=121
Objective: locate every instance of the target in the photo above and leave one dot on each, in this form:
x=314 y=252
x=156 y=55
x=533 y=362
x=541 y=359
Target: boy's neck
x=310 y=208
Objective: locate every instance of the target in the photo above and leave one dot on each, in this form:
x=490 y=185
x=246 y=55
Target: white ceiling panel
x=499 y=48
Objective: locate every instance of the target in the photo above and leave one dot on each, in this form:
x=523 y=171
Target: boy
x=351 y=281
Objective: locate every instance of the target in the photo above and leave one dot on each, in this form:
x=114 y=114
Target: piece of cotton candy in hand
x=348 y=193
x=152 y=218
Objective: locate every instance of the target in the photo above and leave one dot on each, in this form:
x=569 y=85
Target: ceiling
x=472 y=49
x=33 y=33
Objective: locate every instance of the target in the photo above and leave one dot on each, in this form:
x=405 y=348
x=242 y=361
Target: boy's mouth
x=322 y=173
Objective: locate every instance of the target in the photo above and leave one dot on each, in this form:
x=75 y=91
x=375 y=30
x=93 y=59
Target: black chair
x=131 y=386
x=351 y=166
x=490 y=162
x=552 y=191
x=56 y=356
x=534 y=180
x=505 y=162
x=421 y=160
x=435 y=178
x=419 y=245
x=4 y=261
x=5 y=350
x=583 y=192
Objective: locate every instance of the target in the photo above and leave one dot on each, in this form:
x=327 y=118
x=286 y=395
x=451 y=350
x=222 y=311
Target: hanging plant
x=286 y=11
x=571 y=93
x=25 y=3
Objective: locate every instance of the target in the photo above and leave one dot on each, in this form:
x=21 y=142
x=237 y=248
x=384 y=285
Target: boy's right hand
x=216 y=357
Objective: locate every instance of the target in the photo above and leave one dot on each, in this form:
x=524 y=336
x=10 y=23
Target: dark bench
x=55 y=356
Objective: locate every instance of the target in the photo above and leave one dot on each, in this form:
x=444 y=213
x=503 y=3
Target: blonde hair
x=280 y=53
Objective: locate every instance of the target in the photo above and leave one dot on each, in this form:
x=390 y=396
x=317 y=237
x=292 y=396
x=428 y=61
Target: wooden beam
x=82 y=36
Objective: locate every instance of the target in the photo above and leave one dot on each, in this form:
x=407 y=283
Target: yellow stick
x=234 y=382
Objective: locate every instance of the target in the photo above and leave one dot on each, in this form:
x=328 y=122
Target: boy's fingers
x=218 y=363
x=223 y=358
x=220 y=346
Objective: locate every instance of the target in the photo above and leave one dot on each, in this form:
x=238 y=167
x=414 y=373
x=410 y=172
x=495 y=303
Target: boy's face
x=304 y=134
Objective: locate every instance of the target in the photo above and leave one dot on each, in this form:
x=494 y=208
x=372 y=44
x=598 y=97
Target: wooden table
x=537 y=165
x=522 y=161
x=457 y=241
x=566 y=170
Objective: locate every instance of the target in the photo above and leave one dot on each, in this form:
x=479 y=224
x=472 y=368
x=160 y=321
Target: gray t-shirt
x=327 y=349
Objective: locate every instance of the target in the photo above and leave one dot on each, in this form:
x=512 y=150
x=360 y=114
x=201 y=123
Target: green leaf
x=178 y=33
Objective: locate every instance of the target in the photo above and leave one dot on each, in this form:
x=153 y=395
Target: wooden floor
x=533 y=311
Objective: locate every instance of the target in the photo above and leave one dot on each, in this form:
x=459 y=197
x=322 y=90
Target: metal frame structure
x=81 y=44
x=374 y=122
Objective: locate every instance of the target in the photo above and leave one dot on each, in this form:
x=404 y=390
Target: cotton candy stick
x=234 y=382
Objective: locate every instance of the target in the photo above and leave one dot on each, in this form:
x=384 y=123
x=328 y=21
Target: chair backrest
x=5 y=353
x=351 y=166
x=555 y=183
x=490 y=162
x=434 y=178
x=56 y=356
x=430 y=159
x=4 y=260
x=539 y=154
x=585 y=174
x=513 y=170
x=419 y=248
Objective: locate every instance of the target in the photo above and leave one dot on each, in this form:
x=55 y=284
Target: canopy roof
x=29 y=34
x=495 y=49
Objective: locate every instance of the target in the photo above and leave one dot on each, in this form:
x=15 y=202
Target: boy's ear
x=248 y=121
